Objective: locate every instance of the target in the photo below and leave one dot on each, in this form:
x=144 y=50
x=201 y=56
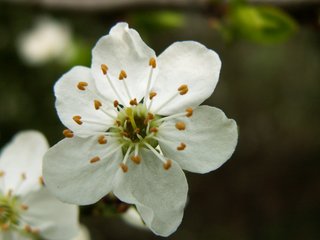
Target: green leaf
x=261 y=24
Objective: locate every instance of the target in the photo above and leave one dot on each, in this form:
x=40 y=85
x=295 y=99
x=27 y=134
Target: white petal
x=210 y=139
x=71 y=177
x=54 y=219
x=72 y=101
x=122 y=49
x=133 y=218
x=187 y=63
x=23 y=155
x=160 y=195
x=83 y=234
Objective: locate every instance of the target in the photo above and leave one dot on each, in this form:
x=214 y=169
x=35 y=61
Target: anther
x=122 y=75
x=28 y=229
x=97 y=104
x=124 y=167
x=154 y=129
x=82 y=86
x=68 y=133
x=133 y=102
x=95 y=159
x=102 y=139
x=136 y=159
x=180 y=126
x=24 y=207
x=137 y=130
x=181 y=147
x=115 y=103
x=77 y=119
x=152 y=94
x=167 y=164
x=183 y=89
x=118 y=123
x=149 y=117
x=152 y=62
x=189 y=112
x=41 y=181
x=2 y=173
x=5 y=226
x=104 y=69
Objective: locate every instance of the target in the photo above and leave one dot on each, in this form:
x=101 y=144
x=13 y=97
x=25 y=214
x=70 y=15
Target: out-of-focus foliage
x=260 y=24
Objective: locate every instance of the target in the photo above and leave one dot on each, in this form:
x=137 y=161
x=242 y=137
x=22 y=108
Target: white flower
x=48 y=40
x=128 y=104
x=26 y=207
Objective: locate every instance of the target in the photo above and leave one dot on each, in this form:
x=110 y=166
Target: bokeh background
x=269 y=83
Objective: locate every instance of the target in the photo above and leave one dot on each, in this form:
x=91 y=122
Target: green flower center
x=9 y=212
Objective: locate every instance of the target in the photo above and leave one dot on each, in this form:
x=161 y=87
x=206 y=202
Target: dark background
x=270 y=188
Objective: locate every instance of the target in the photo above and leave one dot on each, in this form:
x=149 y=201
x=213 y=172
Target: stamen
x=152 y=94
x=154 y=129
x=82 y=86
x=122 y=75
x=102 y=139
x=189 y=111
x=124 y=167
x=152 y=62
x=28 y=229
x=149 y=117
x=97 y=104
x=136 y=159
x=133 y=102
x=41 y=181
x=95 y=159
x=68 y=133
x=5 y=226
x=23 y=176
x=183 y=89
x=77 y=119
x=2 y=173
x=104 y=69
x=115 y=103
x=181 y=147
x=24 y=207
x=180 y=126
x=167 y=165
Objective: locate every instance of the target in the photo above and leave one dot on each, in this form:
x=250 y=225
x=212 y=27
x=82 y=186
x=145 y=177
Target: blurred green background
x=269 y=83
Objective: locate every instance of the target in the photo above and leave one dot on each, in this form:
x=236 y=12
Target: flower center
x=9 y=212
x=136 y=125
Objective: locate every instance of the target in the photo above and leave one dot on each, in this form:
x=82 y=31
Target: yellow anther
x=122 y=75
x=180 y=125
x=136 y=159
x=2 y=173
x=102 y=139
x=97 y=104
x=82 y=86
x=41 y=181
x=167 y=164
x=149 y=117
x=28 y=229
x=115 y=103
x=24 y=207
x=118 y=123
x=189 y=112
x=95 y=159
x=124 y=167
x=36 y=231
x=77 y=119
x=133 y=102
x=104 y=69
x=137 y=130
x=183 y=89
x=181 y=147
x=68 y=133
x=152 y=94
x=153 y=62
x=154 y=129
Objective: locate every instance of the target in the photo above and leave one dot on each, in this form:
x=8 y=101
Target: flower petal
x=122 y=49
x=72 y=101
x=21 y=162
x=160 y=195
x=69 y=174
x=210 y=139
x=185 y=63
x=54 y=219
